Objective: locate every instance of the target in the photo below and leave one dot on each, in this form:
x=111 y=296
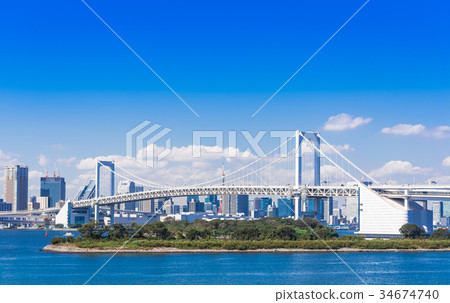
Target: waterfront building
x=54 y=188
x=16 y=186
x=4 y=206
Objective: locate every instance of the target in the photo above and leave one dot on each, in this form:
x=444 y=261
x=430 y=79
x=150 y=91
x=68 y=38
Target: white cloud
x=396 y=168
x=43 y=160
x=417 y=129
x=66 y=161
x=8 y=159
x=446 y=161
x=404 y=129
x=345 y=122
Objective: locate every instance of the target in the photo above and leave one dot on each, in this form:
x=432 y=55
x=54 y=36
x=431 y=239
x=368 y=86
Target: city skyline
x=379 y=90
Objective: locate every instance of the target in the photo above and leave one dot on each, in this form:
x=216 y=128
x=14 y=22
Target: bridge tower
x=111 y=166
x=313 y=138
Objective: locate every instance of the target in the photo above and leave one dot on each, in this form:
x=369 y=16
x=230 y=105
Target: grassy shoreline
x=248 y=245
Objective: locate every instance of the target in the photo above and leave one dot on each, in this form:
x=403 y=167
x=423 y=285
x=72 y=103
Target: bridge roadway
x=25 y=213
x=394 y=192
x=414 y=192
x=283 y=191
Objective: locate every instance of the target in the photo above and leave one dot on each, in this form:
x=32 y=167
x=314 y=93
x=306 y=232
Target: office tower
x=16 y=186
x=327 y=209
x=54 y=188
x=157 y=205
x=446 y=209
x=168 y=207
x=256 y=204
x=272 y=211
x=176 y=209
x=213 y=199
x=285 y=207
x=263 y=203
x=438 y=212
x=241 y=205
x=227 y=205
x=196 y=206
x=126 y=187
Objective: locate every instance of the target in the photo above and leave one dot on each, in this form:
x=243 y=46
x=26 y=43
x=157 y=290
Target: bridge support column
x=96 y=212
x=111 y=213
x=407 y=199
x=296 y=208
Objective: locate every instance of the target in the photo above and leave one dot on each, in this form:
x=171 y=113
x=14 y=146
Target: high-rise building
x=263 y=203
x=213 y=199
x=446 y=209
x=168 y=207
x=196 y=206
x=438 y=212
x=272 y=211
x=54 y=188
x=241 y=205
x=285 y=207
x=16 y=186
x=126 y=187
x=235 y=204
x=327 y=209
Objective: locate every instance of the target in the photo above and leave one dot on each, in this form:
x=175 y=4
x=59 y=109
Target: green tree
x=117 y=232
x=411 y=231
x=283 y=233
x=91 y=230
x=440 y=234
x=246 y=233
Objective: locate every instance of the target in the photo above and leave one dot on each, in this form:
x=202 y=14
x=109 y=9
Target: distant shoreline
x=69 y=249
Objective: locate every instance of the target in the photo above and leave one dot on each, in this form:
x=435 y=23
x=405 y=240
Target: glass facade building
x=54 y=188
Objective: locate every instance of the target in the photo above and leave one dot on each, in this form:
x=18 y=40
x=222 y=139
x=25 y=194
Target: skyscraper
x=285 y=207
x=16 y=186
x=54 y=188
x=242 y=205
x=235 y=204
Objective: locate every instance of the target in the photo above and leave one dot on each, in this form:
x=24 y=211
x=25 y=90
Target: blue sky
x=69 y=88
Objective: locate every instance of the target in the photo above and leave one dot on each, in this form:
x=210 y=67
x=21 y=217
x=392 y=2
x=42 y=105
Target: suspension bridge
x=303 y=168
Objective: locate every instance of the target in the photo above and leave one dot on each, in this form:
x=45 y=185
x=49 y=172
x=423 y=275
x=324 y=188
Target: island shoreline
x=70 y=249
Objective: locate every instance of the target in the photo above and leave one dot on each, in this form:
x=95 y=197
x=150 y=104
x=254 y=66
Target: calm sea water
x=21 y=262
